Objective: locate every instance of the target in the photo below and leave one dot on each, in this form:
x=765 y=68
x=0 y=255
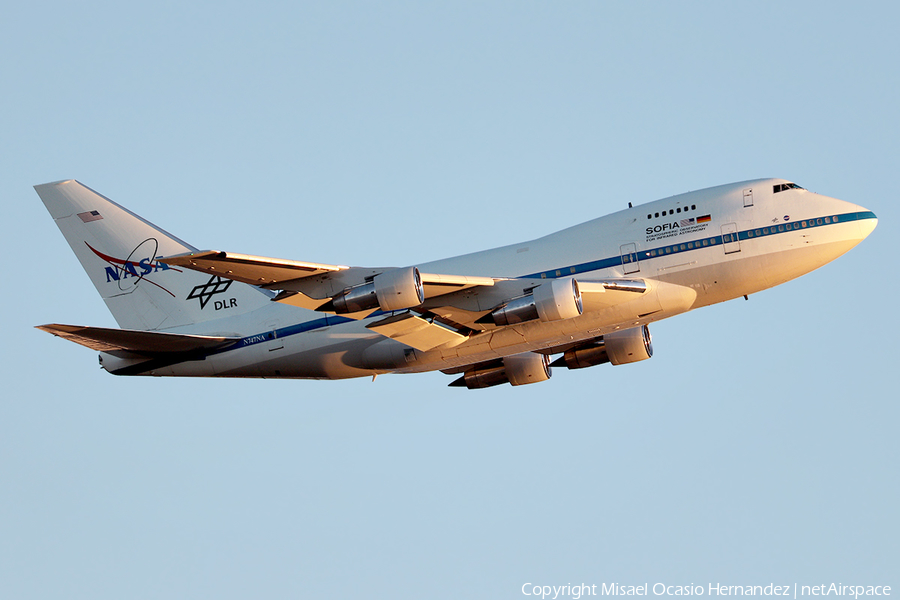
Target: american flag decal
x=686 y=222
x=89 y=216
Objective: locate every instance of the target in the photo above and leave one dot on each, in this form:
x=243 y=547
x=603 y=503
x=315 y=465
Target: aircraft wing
x=305 y=284
x=145 y=343
x=424 y=310
x=255 y=270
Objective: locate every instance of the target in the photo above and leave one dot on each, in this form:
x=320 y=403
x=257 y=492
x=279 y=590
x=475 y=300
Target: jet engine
x=519 y=369
x=396 y=289
x=619 y=348
x=553 y=300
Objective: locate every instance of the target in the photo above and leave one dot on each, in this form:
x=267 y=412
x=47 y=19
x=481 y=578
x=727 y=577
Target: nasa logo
x=130 y=271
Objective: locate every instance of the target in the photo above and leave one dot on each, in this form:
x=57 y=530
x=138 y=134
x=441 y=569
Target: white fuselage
x=695 y=249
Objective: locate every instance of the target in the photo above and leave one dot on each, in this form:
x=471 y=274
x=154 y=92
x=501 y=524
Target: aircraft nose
x=865 y=219
x=867 y=226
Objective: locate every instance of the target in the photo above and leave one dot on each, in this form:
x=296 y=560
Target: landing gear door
x=630 y=262
x=730 y=238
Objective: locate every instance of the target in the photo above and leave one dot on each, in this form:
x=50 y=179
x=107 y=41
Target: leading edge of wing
x=147 y=343
x=254 y=270
x=303 y=277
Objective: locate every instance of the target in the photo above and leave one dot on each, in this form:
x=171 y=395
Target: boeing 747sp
x=587 y=293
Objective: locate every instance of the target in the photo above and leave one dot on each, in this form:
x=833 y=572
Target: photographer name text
x=790 y=590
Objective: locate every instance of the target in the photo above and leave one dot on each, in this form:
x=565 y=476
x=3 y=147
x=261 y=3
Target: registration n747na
x=584 y=295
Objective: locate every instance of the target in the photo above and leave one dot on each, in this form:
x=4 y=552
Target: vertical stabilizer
x=119 y=251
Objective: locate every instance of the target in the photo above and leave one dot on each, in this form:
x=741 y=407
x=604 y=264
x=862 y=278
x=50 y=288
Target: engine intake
x=396 y=289
x=553 y=300
x=629 y=345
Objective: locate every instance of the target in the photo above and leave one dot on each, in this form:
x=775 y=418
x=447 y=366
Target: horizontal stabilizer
x=147 y=343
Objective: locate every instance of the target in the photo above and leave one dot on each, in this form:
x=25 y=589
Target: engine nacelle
x=583 y=357
x=628 y=345
x=553 y=300
x=396 y=289
x=520 y=369
x=477 y=378
x=619 y=348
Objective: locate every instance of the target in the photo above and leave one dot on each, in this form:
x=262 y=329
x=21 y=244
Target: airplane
x=586 y=293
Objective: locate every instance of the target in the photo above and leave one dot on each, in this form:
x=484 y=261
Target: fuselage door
x=748 y=197
x=630 y=262
x=730 y=238
x=275 y=343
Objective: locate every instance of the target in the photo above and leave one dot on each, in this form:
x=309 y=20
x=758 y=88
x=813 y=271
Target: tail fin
x=120 y=252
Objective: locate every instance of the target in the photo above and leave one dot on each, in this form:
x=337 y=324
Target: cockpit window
x=780 y=187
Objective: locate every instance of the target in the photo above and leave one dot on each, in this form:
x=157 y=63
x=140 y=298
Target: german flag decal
x=704 y=219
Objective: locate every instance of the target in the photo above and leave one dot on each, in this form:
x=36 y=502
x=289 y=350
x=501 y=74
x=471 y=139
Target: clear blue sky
x=758 y=445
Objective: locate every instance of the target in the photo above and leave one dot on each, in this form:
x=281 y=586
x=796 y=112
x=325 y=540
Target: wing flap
x=301 y=300
x=415 y=331
x=149 y=343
